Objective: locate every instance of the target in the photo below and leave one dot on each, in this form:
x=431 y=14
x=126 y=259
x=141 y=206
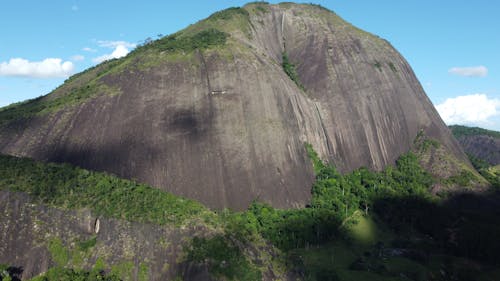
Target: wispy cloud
x=87 y=49
x=472 y=71
x=77 y=58
x=473 y=109
x=114 y=44
x=48 y=68
x=120 y=49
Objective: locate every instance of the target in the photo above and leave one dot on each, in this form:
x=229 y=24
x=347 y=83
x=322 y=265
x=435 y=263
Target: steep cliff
x=220 y=111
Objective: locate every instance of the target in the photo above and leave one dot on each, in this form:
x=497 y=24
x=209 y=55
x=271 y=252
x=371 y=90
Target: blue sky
x=453 y=46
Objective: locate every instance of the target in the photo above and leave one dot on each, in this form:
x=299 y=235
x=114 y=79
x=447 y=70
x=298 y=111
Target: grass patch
x=177 y=43
x=124 y=270
x=492 y=175
x=59 y=253
x=464 y=178
x=361 y=229
x=47 y=104
x=229 y=13
x=87 y=244
x=224 y=258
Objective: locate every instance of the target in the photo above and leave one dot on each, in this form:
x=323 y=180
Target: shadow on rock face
x=184 y=122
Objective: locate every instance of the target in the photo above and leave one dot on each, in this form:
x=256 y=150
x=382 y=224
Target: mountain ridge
x=479 y=143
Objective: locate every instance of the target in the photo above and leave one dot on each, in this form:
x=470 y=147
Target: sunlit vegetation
x=66 y=186
x=179 y=42
x=224 y=258
x=459 y=131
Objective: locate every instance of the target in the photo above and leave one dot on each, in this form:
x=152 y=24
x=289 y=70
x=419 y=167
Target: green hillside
x=459 y=131
x=359 y=226
x=483 y=149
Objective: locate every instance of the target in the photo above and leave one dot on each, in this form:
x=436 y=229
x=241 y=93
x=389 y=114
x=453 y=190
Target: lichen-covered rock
x=226 y=124
x=35 y=237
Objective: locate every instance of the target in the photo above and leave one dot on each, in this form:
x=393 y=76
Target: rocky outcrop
x=35 y=237
x=226 y=125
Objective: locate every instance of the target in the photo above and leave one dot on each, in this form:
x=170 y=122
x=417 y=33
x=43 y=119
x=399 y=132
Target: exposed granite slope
x=226 y=125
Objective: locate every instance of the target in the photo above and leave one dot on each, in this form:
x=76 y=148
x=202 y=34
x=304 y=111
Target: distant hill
x=479 y=143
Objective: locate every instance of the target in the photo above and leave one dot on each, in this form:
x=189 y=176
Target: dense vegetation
x=224 y=258
x=335 y=198
x=398 y=199
x=65 y=274
x=66 y=186
x=459 y=131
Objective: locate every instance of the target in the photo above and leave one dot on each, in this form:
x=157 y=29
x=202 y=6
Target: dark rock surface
x=227 y=125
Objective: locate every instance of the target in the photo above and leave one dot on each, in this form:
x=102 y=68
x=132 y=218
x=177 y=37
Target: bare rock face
x=225 y=124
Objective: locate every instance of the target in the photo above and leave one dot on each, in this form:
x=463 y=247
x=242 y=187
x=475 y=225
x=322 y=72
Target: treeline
x=460 y=131
x=66 y=186
x=335 y=197
x=398 y=196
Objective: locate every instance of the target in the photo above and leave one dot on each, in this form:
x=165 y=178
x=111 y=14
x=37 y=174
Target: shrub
x=224 y=258
x=290 y=70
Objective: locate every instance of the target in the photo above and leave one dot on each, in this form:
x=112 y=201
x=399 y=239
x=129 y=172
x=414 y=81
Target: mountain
x=479 y=143
x=220 y=111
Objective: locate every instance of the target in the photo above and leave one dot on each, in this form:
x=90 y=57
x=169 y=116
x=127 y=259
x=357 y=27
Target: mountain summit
x=220 y=111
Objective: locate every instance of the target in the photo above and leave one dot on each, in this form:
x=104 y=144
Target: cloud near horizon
x=119 y=52
x=121 y=49
x=48 y=68
x=114 y=44
x=474 y=109
x=473 y=71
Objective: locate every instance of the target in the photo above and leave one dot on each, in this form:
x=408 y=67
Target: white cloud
x=87 y=49
x=77 y=58
x=473 y=109
x=473 y=71
x=120 y=51
x=114 y=44
x=48 y=68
